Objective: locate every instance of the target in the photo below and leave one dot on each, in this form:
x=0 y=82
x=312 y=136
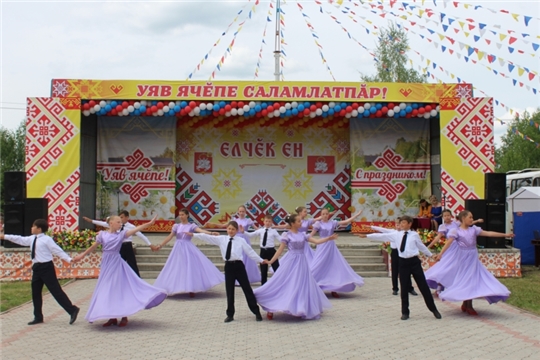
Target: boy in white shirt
x=268 y=238
x=409 y=245
x=42 y=249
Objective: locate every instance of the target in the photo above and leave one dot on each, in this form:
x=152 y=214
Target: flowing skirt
x=332 y=272
x=465 y=278
x=188 y=270
x=252 y=268
x=293 y=290
x=120 y=292
x=444 y=271
x=309 y=253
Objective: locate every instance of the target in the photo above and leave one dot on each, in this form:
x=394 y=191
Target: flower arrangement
x=73 y=240
x=386 y=247
x=427 y=236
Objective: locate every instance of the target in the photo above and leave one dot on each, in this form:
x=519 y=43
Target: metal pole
x=277 y=48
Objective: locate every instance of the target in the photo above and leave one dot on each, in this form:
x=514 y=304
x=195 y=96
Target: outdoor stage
x=153 y=147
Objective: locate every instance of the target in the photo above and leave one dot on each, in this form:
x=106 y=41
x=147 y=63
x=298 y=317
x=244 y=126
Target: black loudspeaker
x=13 y=222
x=34 y=208
x=496 y=221
x=14 y=186
x=478 y=207
x=495 y=187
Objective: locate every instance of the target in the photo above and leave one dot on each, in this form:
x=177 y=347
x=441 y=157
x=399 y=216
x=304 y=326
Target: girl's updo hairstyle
x=291 y=219
x=299 y=209
x=462 y=215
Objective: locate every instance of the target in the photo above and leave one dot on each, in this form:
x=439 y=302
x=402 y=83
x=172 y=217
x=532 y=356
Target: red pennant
x=531 y=75
x=491 y=58
x=488 y=41
x=512 y=40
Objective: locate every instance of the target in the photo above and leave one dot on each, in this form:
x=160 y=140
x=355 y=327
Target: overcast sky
x=165 y=40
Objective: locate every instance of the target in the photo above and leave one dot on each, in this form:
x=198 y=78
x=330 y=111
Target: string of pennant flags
x=459 y=55
x=434 y=65
x=470 y=50
x=263 y=42
x=229 y=48
x=207 y=55
x=469 y=24
x=316 y=39
x=517 y=17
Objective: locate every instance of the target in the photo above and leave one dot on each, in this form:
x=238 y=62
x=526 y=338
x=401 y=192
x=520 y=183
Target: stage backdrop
x=135 y=167
x=390 y=168
x=270 y=169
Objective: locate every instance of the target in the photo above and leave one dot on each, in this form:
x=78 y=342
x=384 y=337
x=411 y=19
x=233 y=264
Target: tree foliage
x=12 y=152
x=515 y=152
x=391 y=59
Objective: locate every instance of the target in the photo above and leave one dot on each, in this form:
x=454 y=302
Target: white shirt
x=413 y=246
x=239 y=246
x=45 y=247
x=272 y=239
x=384 y=231
x=127 y=226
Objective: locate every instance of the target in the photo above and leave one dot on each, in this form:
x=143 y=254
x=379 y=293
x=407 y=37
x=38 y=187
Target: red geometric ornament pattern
x=47 y=131
x=262 y=204
x=335 y=197
x=472 y=133
x=63 y=199
x=454 y=191
x=189 y=195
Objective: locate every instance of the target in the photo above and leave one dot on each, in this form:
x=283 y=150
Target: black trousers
x=394 y=257
x=236 y=271
x=44 y=274
x=267 y=254
x=408 y=267
x=127 y=253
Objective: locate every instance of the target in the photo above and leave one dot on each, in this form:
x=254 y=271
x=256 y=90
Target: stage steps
x=366 y=261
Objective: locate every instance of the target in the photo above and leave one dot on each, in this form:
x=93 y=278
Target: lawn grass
x=525 y=290
x=15 y=293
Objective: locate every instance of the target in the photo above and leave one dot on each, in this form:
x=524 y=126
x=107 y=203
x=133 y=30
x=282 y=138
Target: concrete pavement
x=364 y=324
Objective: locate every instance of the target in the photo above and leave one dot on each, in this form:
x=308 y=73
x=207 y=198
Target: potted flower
x=73 y=240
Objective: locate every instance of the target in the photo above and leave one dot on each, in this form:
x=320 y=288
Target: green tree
x=12 y=152
x=515 y=152
x=391 y=58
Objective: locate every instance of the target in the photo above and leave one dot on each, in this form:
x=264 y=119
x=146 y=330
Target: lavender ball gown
x=292 y=289
x=329 y=268
x=119 y=291
x=187 y=269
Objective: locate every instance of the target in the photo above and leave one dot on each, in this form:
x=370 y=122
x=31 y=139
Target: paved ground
x=362 y=325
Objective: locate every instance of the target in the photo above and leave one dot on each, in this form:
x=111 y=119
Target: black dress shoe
x=74 y=315
x=395 y=292
x=437 y=314
x=412 y=292
x=229 y=319
x=35 y=321
x=404 y=317
x=258 y=317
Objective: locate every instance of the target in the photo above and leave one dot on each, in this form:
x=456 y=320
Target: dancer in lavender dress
x=292 y=289
x=329 y=268
x=187 y=269
x=450 y=260
x=306 y=224
x=469 y=279
x=119 y=291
